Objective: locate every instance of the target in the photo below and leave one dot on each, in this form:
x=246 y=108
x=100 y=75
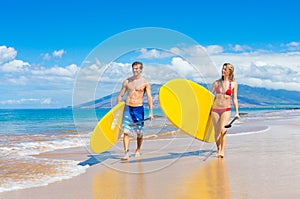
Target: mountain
x=252 y=96
x=248 y=97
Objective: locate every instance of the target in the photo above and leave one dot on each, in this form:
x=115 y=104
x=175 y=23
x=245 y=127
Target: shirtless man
x=136 y=86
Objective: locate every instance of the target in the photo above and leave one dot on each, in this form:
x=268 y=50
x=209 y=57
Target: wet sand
x=260 y=165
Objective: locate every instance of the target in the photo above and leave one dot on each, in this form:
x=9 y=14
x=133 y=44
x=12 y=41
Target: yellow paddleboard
x=187 y=105
x=106 y=133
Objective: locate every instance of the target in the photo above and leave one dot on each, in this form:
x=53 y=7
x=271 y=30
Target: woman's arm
x=235 y=100
x=213 y=88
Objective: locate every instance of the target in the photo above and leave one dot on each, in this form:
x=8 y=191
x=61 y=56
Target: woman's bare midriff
x=221 y=101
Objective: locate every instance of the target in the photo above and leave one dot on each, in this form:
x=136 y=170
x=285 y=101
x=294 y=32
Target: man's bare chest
x=136 y=85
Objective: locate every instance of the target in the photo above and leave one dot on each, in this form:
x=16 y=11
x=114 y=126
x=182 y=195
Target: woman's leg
x=216 y=122
x=224 y=119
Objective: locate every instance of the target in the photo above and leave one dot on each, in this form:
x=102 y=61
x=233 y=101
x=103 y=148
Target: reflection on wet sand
x=210 y=180
x=111 y=183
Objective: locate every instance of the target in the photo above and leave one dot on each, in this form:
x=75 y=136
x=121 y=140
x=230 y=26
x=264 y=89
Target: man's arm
x=150 y=101
x=122 y=92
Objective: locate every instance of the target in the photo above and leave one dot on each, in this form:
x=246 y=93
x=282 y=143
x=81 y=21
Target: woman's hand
x=237 y=116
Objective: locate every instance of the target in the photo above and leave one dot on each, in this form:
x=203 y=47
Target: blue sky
x=44 y=45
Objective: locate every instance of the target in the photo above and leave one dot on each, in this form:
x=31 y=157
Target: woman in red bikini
x=224 y=88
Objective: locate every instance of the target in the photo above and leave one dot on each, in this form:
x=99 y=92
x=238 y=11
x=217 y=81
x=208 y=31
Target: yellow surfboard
x=106 y=133
x=187 y=105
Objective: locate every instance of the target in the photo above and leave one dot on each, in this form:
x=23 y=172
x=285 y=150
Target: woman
x=224 y=88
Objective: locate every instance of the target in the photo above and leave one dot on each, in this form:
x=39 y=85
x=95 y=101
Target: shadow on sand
x=96 y=159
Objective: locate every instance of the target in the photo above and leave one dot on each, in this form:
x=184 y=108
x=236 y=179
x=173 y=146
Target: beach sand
x=260 y=165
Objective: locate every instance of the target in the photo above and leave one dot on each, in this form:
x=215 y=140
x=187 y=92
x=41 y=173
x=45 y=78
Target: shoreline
x=177 y=168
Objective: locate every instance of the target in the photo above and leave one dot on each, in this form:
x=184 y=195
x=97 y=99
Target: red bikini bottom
x=220 y=111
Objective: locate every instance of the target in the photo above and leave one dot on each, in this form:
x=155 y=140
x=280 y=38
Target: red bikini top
x=228 y=92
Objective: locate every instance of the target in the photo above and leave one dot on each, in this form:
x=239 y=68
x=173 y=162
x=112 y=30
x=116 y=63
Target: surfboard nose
x=187 y=105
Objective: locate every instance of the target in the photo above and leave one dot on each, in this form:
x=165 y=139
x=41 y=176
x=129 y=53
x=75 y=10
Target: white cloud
x=58 y=53
x=55 y=54
x=293 y=45
x=270 y=70
x=7 y=54
x=22 y=80
x=181 y=66
x=25 y=101
x=46 y=101
x=34 y=85
x=204 y=70
x=261 y=68
x=15 y=66
x=177 y=68
x=115 y=71
x=190 y=51
x=240 y=48
x=69 y=71
x=214 y=49
x=154 y=53
x=46 y=56
x=176 y=51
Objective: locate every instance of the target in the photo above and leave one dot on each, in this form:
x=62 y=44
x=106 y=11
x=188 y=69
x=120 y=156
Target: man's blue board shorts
x=133 y=114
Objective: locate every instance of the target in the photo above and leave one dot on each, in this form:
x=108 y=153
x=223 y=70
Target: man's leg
x=139 y=141
x=126 y=146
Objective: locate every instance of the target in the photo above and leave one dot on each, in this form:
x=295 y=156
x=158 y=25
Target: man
x=135 y=86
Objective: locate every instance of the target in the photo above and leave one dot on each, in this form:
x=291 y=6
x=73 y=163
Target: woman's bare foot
x=137 y=154
x=126 y=157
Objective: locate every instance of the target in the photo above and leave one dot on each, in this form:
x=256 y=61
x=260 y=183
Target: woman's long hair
x=231 y=71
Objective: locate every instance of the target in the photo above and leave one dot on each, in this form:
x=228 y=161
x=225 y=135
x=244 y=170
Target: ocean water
x=29 y=132
x=24 y=133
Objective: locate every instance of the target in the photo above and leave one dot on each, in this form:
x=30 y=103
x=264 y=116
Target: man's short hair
x=137 y=63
